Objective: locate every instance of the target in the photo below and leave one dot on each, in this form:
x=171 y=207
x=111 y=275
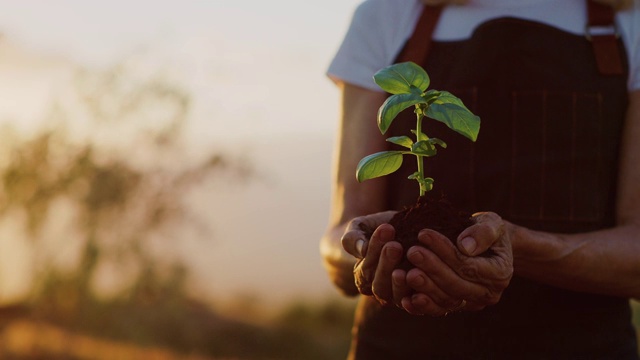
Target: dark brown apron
x=547 y=159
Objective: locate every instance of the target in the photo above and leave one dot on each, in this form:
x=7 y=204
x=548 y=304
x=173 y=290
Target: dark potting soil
x=432 y=212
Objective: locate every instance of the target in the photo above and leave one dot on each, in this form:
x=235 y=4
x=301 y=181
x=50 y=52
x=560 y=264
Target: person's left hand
x=377 y=256
x=471 y=276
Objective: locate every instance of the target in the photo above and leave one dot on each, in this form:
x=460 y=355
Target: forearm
x=604 y=262
x=349 y=199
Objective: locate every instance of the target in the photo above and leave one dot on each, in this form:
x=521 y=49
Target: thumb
x=479 y=237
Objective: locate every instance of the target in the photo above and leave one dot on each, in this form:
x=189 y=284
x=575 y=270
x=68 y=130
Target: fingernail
x=397 y=280
x=386 y=233
x=415 y=256
x=469 y=245
x=359 y=246
x=418 y=300
x=418 y=281
x=393 y=253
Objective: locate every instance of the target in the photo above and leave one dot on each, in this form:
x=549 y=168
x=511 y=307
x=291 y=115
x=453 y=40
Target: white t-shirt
x=380 y=28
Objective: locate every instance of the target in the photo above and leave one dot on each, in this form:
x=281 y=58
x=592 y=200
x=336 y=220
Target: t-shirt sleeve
x=630 y=20
x=361 y=53
x=377 y=31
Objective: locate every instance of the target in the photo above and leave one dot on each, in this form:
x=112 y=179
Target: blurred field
x=299 y=331
x=636 y=320
x=31 y=340
x=178 y=331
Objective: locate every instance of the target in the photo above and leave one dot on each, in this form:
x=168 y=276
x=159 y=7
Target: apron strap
x=603 y=34
x=600 y=30
x=416 y=49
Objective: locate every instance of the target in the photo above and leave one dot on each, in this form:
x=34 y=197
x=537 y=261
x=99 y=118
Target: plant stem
x=423 y=190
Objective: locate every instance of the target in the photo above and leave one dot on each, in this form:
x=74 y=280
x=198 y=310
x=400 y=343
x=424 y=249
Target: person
x=552 y=258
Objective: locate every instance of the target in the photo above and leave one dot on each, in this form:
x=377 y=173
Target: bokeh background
x=164 y=179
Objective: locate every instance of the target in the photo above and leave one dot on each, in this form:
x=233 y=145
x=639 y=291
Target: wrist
x=338 y=263
x=516 y=237
x=533 y=251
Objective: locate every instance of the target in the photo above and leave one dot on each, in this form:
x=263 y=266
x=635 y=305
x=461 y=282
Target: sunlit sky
x=256 y=71
x=99 y=31
x=253 y=57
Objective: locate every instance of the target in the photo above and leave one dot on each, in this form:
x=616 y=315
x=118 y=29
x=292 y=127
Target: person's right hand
x=468 y=276
x=377 y=257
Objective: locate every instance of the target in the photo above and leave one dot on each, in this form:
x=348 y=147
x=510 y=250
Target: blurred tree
x=110 y=177
x=126 y=181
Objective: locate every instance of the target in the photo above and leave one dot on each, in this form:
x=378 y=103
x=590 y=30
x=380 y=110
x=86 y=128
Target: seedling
x=408 y=83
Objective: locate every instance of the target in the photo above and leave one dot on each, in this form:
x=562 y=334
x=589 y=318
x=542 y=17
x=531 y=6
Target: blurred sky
x=260 y=56
x=256 y=71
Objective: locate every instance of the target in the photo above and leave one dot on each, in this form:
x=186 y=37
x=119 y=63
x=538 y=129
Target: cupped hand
x=471 y=276
x=377 y=257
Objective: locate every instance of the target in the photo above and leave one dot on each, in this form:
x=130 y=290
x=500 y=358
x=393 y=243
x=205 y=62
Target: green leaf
x=378 y=164
x=435 y=141
x=445 y=97
x=427 y=183
x=432 y=95
x=401 y=140
x=421 y=136
x=457 y=118
x=393 y=106
x=398 y=78
x=424 y=148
